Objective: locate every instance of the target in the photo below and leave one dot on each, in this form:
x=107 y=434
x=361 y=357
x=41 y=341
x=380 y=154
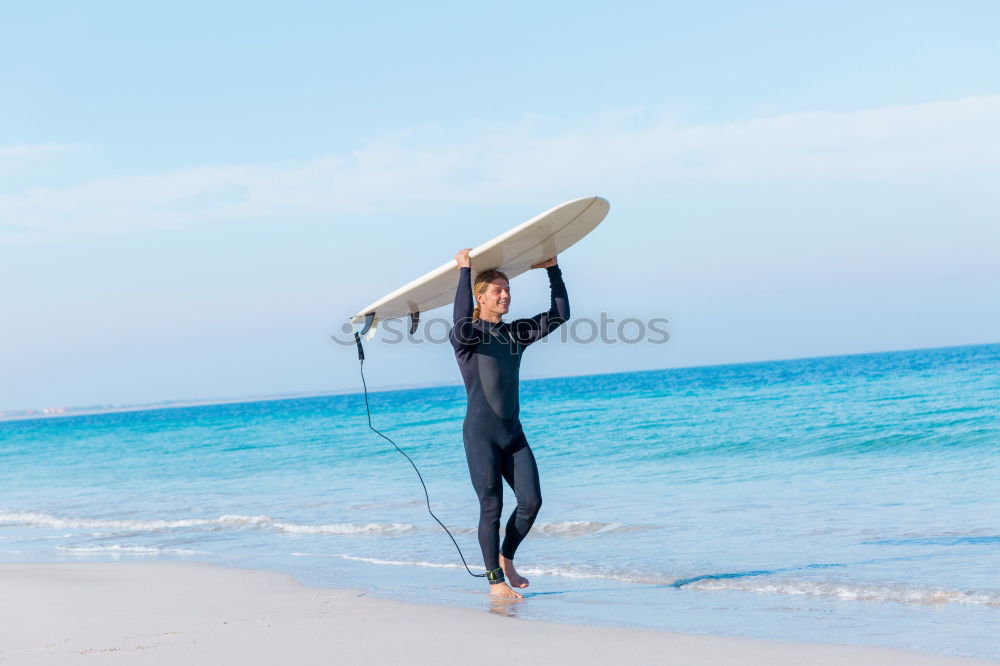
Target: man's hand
x=462 y=258
x=546 y=263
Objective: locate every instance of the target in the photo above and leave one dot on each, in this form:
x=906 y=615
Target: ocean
x=850 y=499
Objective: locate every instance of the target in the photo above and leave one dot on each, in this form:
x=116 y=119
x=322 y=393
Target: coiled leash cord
x=427 y=497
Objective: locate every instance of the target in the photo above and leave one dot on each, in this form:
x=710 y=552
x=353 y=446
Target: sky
x=195 y=196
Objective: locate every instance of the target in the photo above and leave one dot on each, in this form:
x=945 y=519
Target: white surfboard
x=513 y=252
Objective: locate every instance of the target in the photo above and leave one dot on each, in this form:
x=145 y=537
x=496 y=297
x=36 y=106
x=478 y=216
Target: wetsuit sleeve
x=462 y=333
x=537 y=327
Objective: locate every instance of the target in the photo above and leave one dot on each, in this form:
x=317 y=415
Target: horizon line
x=40 y=414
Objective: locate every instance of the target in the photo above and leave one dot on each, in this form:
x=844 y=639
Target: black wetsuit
x=489 y=356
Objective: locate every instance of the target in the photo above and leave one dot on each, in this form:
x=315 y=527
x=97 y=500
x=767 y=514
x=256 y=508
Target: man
x=489 y=351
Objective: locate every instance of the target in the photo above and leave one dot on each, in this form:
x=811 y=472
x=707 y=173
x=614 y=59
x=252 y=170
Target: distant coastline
x=57 y=412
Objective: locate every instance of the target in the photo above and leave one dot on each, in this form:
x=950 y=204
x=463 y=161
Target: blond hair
x=482 y=281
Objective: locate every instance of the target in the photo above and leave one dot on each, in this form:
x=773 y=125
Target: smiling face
x=494 y=300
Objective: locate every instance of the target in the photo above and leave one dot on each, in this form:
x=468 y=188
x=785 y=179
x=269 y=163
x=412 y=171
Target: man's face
x=496 y=298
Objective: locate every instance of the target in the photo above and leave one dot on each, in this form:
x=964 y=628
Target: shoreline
x=198 y=613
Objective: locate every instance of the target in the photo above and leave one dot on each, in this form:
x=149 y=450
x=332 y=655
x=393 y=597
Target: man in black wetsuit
x=489 y=356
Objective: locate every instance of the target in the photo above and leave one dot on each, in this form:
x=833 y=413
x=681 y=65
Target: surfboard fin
x=414 y=320
x=369 y=320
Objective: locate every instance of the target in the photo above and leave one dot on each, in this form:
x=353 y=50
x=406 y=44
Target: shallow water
x=848 y=499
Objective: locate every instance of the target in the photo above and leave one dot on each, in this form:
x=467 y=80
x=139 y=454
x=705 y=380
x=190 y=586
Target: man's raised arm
x=462 y=333
x=537 y=327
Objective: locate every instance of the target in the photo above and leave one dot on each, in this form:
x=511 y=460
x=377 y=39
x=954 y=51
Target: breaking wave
x=228 y=521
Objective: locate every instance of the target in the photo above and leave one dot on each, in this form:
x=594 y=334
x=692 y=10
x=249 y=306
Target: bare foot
x=510 y=573
x=503 y=591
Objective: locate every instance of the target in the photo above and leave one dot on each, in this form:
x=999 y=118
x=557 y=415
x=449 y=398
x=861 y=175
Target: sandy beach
x=173 y=613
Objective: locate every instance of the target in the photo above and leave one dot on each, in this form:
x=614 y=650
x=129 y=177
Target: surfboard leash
x=427 y=497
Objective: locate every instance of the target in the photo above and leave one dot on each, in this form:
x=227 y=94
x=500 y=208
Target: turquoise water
x=849 y=499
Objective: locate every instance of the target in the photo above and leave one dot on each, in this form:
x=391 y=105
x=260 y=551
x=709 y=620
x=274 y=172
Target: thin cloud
x=892 y=144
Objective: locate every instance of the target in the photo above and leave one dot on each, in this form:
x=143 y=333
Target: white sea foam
x=574 y=528
x=568 y=528
x=137 y=550
x=562 y=571
x=33 y=519
x=595 y=573
x=847 y=591
x=228 y=521
x=344 y=528
x=375 y=560
x=854 y=591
